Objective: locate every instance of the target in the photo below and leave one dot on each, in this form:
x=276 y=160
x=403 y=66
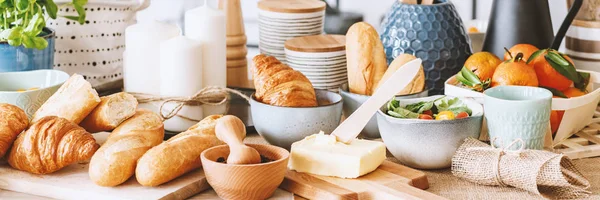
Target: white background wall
x=373 y=10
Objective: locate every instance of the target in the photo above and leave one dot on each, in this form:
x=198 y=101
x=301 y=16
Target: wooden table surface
x=442 y=183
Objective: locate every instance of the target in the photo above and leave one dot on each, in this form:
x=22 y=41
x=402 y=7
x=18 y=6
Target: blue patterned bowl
x=45 y=82
x=433 y=33
x=14 y=59
x=428 y=144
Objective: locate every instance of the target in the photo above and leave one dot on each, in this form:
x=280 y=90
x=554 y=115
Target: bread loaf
x=365 y=58
x=50 y=144
x=279 y=85
x=418 y=83
x=178 y=155
x=13 y=121
x=74 y=100
x=112 y=111
x=117 y=158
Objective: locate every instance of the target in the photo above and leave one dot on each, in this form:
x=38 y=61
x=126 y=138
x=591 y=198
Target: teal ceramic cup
x=517 y=112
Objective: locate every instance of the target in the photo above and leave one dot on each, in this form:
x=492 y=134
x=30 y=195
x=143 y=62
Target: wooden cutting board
x=73 y=182
x=389 y=181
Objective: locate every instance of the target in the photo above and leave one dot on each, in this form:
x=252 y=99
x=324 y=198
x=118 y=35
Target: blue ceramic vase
x=13 y=59
x=434 y=33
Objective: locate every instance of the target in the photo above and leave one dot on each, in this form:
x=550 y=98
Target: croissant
x=279 y=85
x=13 y=121
x=50 y=144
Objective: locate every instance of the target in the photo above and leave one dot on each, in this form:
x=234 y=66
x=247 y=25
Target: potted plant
x=25 y=41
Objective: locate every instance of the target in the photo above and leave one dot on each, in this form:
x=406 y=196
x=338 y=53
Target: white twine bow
x=501 y=152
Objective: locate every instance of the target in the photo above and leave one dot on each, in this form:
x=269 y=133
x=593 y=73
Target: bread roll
x=116 y=159
x=365 y=58
x=178 y=155
x=418 y=83
x=13 y=121
x=74 y=100
x=279 y=85
x=112 y=111
x=50 y=144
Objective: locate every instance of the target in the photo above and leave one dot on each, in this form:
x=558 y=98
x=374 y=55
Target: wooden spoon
x=232 y=131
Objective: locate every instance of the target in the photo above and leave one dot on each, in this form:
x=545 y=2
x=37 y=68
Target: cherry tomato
x=425 y=117
x=428 y=112
x=462 y=115
x=445 y=115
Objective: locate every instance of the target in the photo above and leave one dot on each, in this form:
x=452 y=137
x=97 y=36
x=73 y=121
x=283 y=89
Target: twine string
x=501 y=152
x=211 y=95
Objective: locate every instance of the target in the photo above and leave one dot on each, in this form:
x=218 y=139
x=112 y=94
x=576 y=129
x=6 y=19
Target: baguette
x=116 y=159
x=73 y=101
x=416 y=85
x=13 y=121
x=178 y=155
x=365 y=61
x=112 y=111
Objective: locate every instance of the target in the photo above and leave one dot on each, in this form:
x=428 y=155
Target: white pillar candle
x=141 y=63
x=181 y=76
x=207 y=25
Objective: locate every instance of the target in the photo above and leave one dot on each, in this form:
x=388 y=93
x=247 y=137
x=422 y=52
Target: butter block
x=322 y=154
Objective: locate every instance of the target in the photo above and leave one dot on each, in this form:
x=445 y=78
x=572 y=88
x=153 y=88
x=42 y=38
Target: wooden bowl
x=255 y=181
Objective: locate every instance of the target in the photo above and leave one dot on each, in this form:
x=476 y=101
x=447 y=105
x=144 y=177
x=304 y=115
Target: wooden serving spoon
x=232 y=131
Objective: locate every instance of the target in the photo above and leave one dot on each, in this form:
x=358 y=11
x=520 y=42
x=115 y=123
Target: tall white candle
x=181 y=75
x=207 y=25
x=141 y=63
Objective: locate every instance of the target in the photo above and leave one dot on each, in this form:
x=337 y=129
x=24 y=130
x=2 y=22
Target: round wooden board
x=317 y=43
x=291 y=6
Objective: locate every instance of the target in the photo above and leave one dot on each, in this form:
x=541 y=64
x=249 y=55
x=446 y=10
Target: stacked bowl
x=321 y=58
x=280 y=20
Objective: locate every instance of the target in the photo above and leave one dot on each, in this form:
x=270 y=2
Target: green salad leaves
x=415 y=110
x=22 y=21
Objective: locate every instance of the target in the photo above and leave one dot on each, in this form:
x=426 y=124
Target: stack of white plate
x=321 y=58
x=280 y=20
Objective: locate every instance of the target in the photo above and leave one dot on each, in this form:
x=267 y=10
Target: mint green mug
x=517 y=112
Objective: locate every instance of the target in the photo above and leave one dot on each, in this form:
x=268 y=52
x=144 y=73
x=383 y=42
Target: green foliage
x=22 y=21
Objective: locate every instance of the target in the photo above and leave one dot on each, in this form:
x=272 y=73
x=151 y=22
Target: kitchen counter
x=442 y=182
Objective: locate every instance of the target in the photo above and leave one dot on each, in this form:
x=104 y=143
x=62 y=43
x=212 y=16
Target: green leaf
x=22 y=4
x=393 y=104
x=35 y=26
x=562 y=66
x=51 y=8
x=535 y=55
x=79 y=7
x=28 y=42
x=451 y=104
x=585 y=81
x=403 y=113
x=40 y=43
x=555 y=92
x=75 y=18
x=470 y=76
x=15 y=42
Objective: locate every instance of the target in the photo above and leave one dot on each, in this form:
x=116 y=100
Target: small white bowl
x=43 y=84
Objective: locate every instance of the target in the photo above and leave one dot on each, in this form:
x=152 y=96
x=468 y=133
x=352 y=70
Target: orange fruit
x=573 y=92
x=526 y=49
x=555 y=119
x=483 y=64
x=514 y=72
x=473 y=29
x=547 y=75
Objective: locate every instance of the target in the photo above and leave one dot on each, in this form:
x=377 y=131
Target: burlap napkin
x=541 y=172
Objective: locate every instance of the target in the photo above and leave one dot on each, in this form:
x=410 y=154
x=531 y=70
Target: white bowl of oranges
x=575 y=97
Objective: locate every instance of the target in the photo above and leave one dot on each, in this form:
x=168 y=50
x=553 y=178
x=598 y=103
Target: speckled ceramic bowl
x=39 y=86
x=282 y=126
x=428 y=144
x=353 y=101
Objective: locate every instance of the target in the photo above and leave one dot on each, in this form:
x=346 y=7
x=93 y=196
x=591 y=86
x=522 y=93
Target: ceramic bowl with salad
x=425 y=132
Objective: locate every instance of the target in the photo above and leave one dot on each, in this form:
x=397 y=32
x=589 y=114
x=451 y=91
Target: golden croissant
x=13 y=121
x=280 y=85
x=50 y=144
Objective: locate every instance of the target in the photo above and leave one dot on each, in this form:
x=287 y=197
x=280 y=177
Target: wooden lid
x=317 y=43
x=291 y=6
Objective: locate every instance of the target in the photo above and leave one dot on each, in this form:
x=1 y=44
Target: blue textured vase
x=433 y=33
x=13 y=59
